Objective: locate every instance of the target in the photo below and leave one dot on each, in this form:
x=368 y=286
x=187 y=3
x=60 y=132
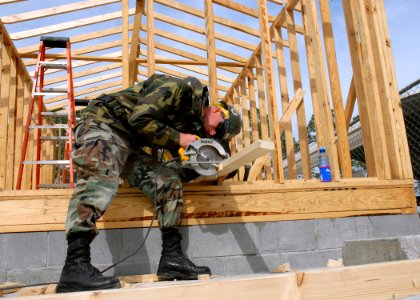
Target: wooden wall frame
x=250 y=83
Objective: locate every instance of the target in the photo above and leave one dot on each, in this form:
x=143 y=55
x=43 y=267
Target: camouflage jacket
x=154 y=112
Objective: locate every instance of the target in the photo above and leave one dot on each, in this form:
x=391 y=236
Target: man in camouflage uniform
x=161 y=112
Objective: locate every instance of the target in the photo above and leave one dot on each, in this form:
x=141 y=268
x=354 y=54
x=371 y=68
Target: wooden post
x=135 y=41
x=245 y=111
x=336 y=93
x=125 y=43
x=297 y=84
x=366 y=84
x=270 y=89
x=211 y=50
x=315 y=58
x=150 y=38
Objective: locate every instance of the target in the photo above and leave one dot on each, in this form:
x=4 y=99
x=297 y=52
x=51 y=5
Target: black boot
x=78 y=274
x=173 y=263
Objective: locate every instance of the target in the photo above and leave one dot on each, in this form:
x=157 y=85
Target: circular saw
x=204 y=156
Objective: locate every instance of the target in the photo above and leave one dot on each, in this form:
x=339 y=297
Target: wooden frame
x=261 y=47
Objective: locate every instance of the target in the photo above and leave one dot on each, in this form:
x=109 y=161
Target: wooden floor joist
x=389 y=280
x=258 y=201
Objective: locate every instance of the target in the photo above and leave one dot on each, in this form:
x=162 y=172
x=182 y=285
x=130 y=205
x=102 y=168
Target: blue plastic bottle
x=324 y=165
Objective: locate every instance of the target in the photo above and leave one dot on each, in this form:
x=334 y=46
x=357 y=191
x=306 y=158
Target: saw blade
x=205 y=160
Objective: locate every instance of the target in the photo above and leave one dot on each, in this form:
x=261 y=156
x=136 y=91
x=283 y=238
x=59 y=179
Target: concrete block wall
x=226 y=248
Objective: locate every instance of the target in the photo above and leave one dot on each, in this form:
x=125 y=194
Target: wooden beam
x=259 y=201
x=240 y=8
x=150 y=38
x=246 y=155
x=211 y=49
x=351 y=100
x=47 y=12
x=135 y=41
x=336 y=93
x=284 y=94
x=125 y=45
x=291 y=108
x=68 y=25
x=270 y=88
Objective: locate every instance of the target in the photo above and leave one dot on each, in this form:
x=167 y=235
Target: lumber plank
x=245 y=112
x=211 y=49
x=68 y=25
x=135 y=41
x=266 y=53
x=125 y=44
x=43 y=13
x=393 y=87
x=5 y=79
x=336 y=93
x=351 y=100
x=246 y=155
x=297 y=84
x=291 y=108
x=284 y=94
x=388 y=280
x=263 y=112
x=150 y=38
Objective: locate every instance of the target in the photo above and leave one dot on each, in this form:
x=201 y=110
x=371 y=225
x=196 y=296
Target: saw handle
x=181 y=154
x=182 y=150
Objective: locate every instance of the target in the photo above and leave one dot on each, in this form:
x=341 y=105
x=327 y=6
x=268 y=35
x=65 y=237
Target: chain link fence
x=410 y=101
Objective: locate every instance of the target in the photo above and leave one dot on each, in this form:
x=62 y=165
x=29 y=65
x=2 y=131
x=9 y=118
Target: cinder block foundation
x=227 y=248
x=381 y=250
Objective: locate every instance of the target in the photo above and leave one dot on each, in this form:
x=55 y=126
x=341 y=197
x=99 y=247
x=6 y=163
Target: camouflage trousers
x=100 y=156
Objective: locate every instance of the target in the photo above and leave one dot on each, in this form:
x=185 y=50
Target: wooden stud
x=150 y=38
x=297 y=84
x=311 y=25
x=270 y=89
x=357 y=64
x=245 y=113
x=284 y=93
x=135 y=39
x=5 y=52
x=125 y=43
x=211 y=49
x=351 y=100
x=263 y=113
x=336 y=93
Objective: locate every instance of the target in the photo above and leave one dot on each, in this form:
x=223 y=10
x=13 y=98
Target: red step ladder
x=38 y=92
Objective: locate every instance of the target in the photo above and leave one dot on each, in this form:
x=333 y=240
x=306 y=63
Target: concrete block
x=3 y=249
x=253 y=263
x=34 y=275
x=16 y=255
x=132 y=239
x=222 y=240
x=381 y=250
x=57 y=248
x=106 y=247
x=394 y=225
x=363 y=228
x=331 y=233
x=312 y=259
x=293 y=235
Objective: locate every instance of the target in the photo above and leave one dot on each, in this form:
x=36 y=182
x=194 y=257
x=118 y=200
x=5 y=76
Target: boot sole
x=169 y=276
x=64 y=288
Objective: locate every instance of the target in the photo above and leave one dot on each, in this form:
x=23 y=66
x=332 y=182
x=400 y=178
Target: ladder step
x=54 y=186
x=46 y=162
x=54 y=138
x=53 y=65
x=54 y=114
x=57 y=126
x=55 y=42
x=51 y=92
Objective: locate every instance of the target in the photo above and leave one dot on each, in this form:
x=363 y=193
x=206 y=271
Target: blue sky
x=403 y=21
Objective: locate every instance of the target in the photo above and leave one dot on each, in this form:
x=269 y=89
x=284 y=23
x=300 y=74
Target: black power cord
x=123 y=259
